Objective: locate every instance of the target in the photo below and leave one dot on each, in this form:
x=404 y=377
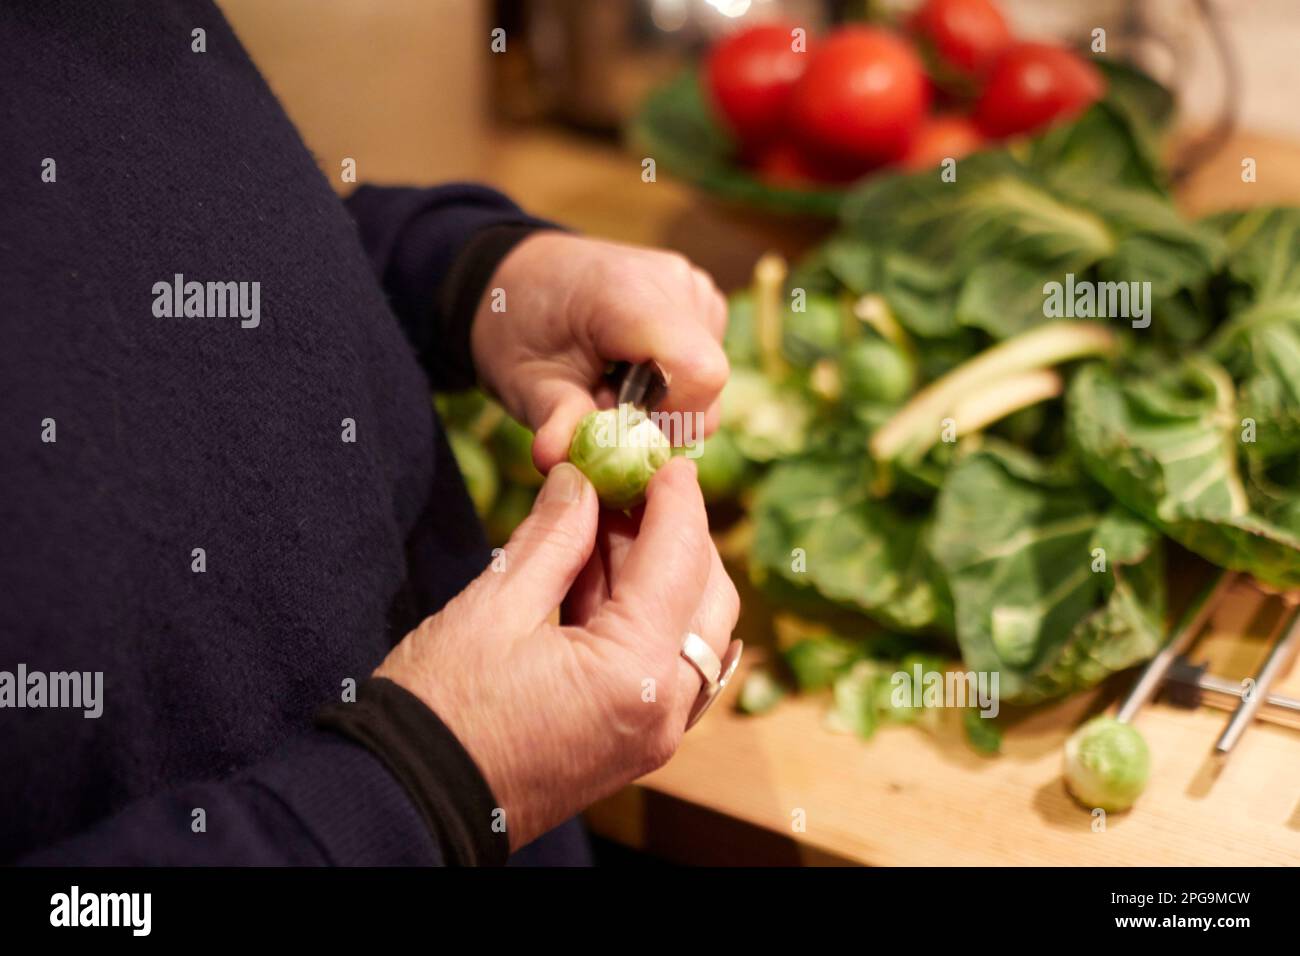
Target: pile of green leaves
x=1207 y=447
x=1033 y=538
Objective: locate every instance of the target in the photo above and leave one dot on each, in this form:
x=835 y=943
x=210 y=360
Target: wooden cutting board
x=782 y=789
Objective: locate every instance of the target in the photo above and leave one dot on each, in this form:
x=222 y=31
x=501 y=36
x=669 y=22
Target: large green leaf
x=1166 y=441
x=1260 y=343
x=995 y=205
x=818 y=529
x=1051 y=587
x=1116 y=142
x=987 y=243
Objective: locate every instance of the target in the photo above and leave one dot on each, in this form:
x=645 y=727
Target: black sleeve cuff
x=438 y=774
x=415 y=238
x=463 y=288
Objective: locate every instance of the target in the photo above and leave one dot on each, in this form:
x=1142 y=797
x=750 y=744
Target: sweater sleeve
x=322 y=801
x=391 y=786
x=418 y=242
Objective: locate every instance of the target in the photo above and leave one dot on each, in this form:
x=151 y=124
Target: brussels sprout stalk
x=911 y=432
x=873 y=310
x=769 y=274
x=1000 y=399
x=486 y=421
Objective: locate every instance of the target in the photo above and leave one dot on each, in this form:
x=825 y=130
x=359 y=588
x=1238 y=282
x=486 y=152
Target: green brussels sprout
x=512 y=447
x=982 y=733
x=619 y=450
x=873 y=371
x=817 y=661
x=1106 y=764
x=856 y=699
x=478 y=470
x=815 y=332
x=460 y=409
x=759 y=693
x=512 y=507
x=722 y=468
x=767 y=422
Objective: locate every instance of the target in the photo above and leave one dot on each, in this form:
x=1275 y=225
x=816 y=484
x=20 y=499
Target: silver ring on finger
x=714 y=673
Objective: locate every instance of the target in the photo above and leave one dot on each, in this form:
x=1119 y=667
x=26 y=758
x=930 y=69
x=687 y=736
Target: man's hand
x=572 y=305
x=559 y=715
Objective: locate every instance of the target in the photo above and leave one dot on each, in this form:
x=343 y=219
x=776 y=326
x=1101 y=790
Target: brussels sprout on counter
x=477 y=468
x=817 y=661
x=857 y=698
x=759 y=693
x=619 y=450
x=1106 y=764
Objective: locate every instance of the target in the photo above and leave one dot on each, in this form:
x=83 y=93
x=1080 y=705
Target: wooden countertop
x=914 y=797
x=740 y=787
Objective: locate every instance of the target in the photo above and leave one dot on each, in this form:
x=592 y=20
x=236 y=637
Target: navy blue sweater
x=128 y=159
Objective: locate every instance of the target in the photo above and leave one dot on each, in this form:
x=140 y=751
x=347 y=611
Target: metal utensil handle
x=1194 y=619
x=1278 y=660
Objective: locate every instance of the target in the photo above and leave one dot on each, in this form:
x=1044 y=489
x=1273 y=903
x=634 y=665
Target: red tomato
x=862 y=96
x=940 y=138
x=967 y=35
x=749 y=75
x=785 y=164
x=1033 y=84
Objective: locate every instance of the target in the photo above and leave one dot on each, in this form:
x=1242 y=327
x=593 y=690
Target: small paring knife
x=642 y=385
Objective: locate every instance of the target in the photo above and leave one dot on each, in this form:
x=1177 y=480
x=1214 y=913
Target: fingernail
x=564 y=483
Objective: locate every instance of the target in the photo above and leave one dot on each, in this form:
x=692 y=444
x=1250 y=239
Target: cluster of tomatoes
x=808 y=111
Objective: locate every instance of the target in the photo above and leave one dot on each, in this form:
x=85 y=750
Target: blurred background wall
x=399 y=85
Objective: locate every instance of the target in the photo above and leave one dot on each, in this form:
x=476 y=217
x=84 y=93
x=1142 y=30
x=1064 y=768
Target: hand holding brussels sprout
x=557 y=715
x=571 y=306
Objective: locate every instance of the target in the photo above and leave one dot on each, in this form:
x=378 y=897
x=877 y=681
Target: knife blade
x=642 y=385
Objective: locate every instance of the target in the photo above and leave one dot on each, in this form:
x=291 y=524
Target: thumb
x=664 y=574
x=546 y=552
x=558 y=406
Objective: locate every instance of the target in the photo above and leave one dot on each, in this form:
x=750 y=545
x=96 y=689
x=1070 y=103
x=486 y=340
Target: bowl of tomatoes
x=777 y=117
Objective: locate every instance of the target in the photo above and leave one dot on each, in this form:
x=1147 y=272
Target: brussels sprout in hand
x=619 y=450
x=1106 y=764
